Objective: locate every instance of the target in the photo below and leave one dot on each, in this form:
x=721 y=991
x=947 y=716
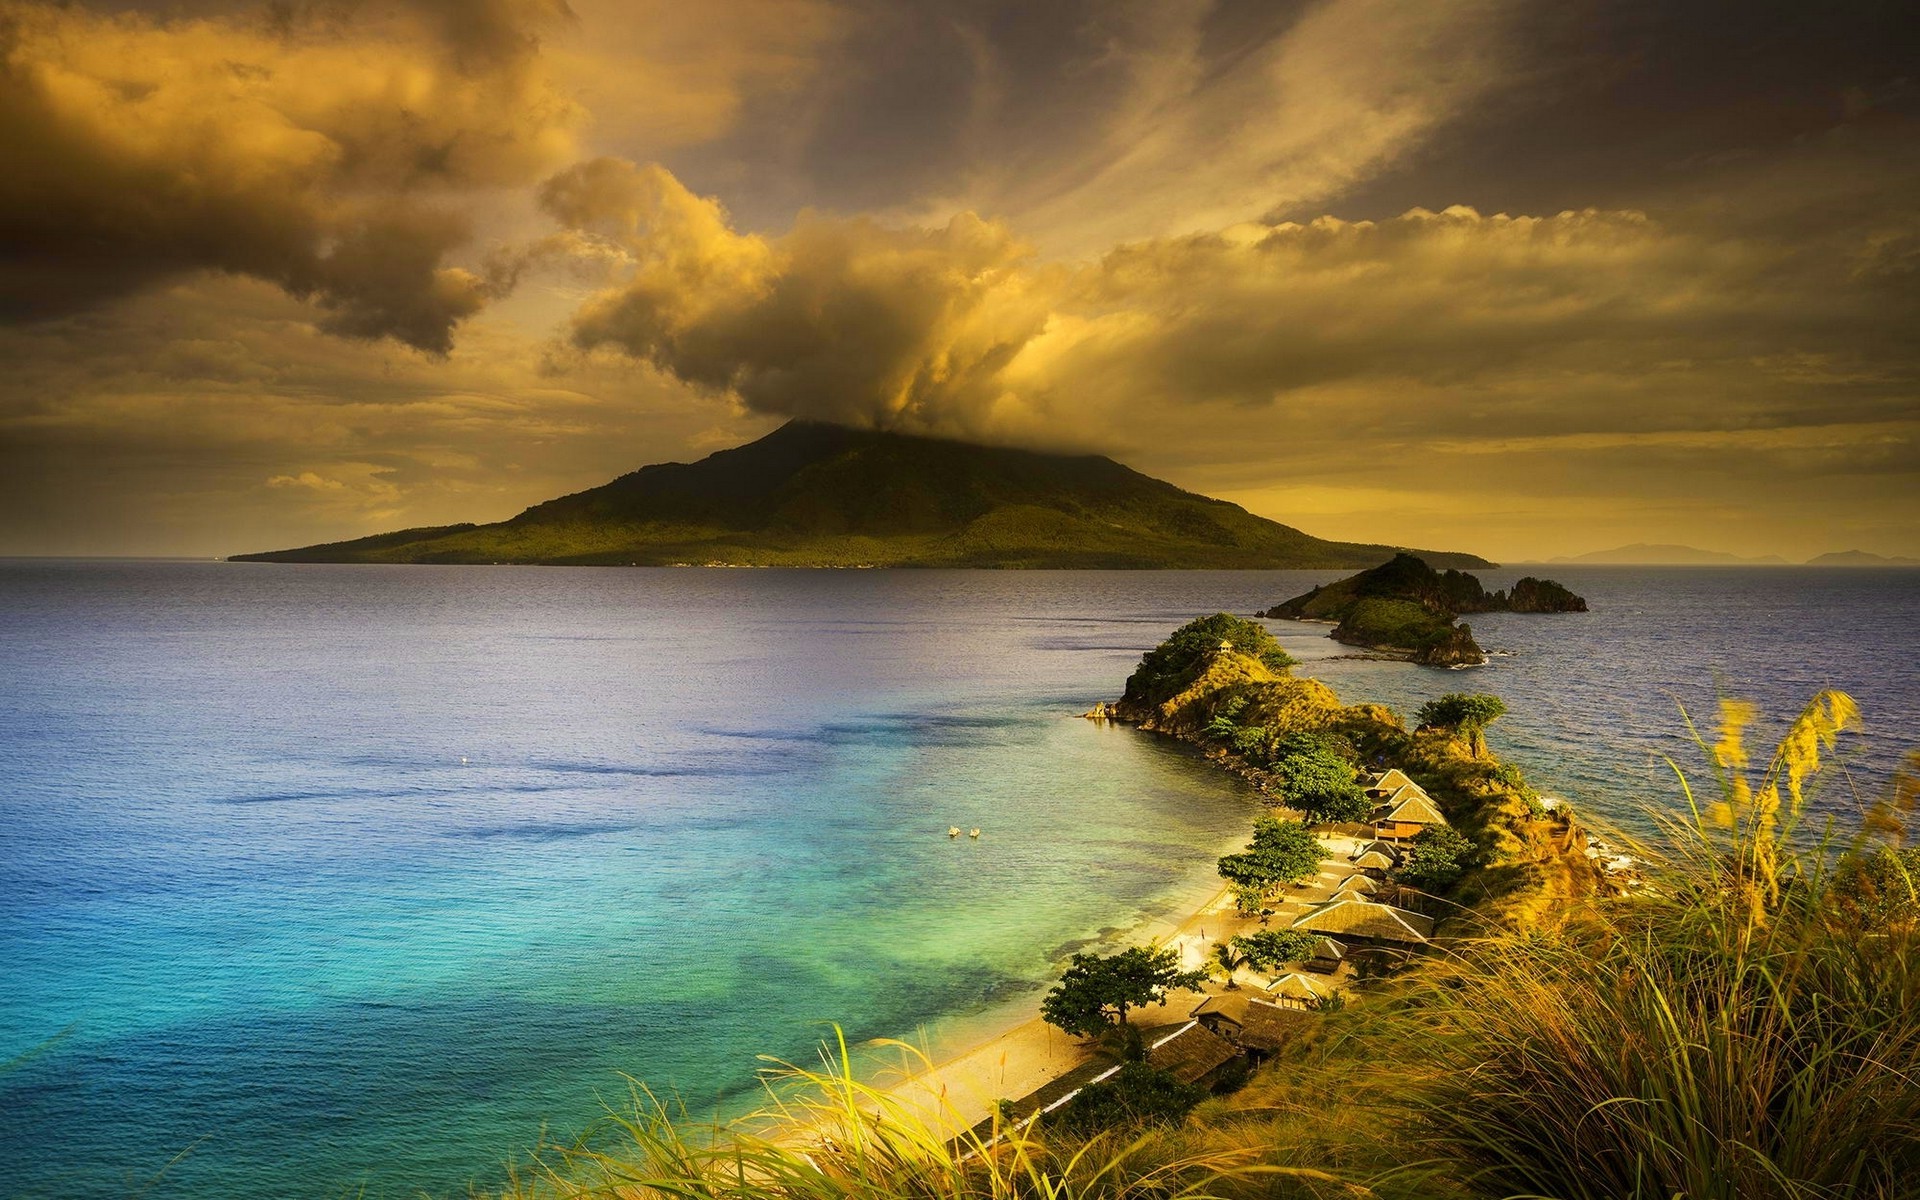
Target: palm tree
x=1229 y=960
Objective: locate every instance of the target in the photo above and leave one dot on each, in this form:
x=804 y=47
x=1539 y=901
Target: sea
x=324 y=881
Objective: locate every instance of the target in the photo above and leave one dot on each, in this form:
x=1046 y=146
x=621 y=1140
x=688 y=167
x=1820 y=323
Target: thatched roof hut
x=1327 y=957
x=1301 y=991
x=1192 y=1054
x=1409 y=806
x=1269 y=1026
x=1366 y=919
x=1389 y=783
x=1223 y=1013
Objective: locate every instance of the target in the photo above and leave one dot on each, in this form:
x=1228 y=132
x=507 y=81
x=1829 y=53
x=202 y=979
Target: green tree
x=1229 y=958
x=1095 y=992
x=1322 y=785
x=1271 y=949
x=1251 y=742
x=1136 y=1094
x=1438 y=855
x=1280 y=853
x=1467 y=713
x=1226 y=719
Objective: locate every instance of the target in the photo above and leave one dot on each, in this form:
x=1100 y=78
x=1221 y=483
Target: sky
x=1520 y=277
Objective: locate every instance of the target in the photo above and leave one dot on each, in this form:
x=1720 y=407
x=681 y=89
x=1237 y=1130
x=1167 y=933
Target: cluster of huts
x=1362 y=908
x=1402 y=807
x=1359 y=918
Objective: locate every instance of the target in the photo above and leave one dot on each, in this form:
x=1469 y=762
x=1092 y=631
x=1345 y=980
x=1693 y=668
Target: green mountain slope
x=822 y=495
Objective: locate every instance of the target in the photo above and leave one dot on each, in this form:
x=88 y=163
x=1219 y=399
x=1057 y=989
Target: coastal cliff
x=1407 y=609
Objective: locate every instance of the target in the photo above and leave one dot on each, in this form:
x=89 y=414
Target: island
x=1408 y=609
x=817 y=495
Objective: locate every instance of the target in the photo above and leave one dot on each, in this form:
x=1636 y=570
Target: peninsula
x=1408 y=609
x=818 y=495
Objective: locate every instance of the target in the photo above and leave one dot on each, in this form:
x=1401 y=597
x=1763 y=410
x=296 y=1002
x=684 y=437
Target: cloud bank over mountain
x=338 y=265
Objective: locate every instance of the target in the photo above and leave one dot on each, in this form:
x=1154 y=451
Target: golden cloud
x=847 y=321
x=960 y=329
x=323 y=156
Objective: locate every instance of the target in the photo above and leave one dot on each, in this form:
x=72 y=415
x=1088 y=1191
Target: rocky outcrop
x=1405 y=629
x=1407 y=609
x=1530 y=595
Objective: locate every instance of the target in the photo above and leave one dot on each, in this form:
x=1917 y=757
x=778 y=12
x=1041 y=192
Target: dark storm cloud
x=1085 y=123
x=325 y=154
x=1635 y=102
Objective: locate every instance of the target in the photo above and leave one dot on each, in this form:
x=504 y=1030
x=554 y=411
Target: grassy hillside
x=821 y=495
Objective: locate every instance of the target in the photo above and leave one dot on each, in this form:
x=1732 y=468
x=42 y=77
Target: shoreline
x=1015 y=1052
x=1019 y=1053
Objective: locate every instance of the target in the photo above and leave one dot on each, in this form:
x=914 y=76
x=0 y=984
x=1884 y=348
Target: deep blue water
x=322 y=878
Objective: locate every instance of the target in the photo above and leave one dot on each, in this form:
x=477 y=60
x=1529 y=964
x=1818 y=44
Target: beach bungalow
x=1257 y=1025
x=1270 y=1026
x=1388 y=784
x=1374 y=859
x=1366 y=921
x=1406 y=813
x=1223 y=1014
x=1193 y=1054
x=1357 y=885
x=1297 y=990
x=1327 y=957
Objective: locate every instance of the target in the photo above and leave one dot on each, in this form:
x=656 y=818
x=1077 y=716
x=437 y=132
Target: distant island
x=1644 y=554
x=818 y=495
x=1860 y=558
x=1406 y=608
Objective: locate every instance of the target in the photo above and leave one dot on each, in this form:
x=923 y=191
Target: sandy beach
x=961 y=1089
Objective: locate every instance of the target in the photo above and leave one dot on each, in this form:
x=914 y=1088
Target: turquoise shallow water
x=323 y=878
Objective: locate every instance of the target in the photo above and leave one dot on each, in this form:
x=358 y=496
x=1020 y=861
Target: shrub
x=1508 y=776
x=1225 y=720
x=1250 y=741
x=1466 y=713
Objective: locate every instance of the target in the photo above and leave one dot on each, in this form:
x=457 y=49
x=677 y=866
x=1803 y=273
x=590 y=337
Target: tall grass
x=1734 y=1031
x=827 y=1135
